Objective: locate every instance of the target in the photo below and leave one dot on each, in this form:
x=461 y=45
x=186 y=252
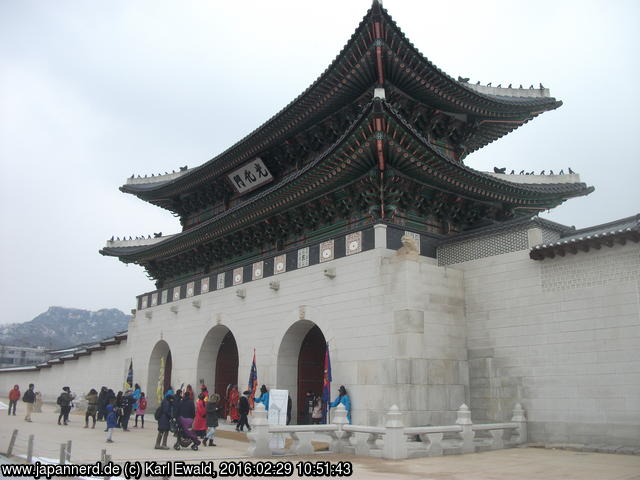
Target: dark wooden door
x=167 y=372
x=310 y=367
x=226 y=366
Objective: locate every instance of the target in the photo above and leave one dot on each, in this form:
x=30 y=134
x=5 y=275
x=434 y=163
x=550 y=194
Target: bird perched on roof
x=499 y=170
x=478 y=82
x=499 y=85
x=561 y=172
x=489 y=84
x=510 y=85
x=532 y=172
x=182 y=169
x=521 y=172
x=541 y=87
x=531 y=87
x=157 y=235
x=571 y=171
x=542 y=172
x=513 y=172
x=520 y=85
x=133 y=175
x=462 y=79
x=166 y=173
x=111 y=239
x=551 y=172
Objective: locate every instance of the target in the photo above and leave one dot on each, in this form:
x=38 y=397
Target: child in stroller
x=182 y=440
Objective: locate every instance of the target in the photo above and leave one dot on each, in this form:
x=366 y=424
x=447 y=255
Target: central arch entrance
x=218 y=361
x=159 y=372
x=226 y=365
x=301 y=364
x=310 y=368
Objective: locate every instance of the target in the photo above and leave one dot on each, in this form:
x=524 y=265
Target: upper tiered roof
x=377 y=54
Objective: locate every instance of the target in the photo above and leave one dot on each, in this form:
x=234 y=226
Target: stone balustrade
x=393 y=440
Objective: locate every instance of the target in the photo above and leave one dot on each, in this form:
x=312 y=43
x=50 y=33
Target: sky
x=92 y=92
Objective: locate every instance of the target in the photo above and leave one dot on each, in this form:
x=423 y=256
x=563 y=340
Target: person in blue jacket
x=112 y=421
x=137 y=393
x=263 y=398
x=343 y=398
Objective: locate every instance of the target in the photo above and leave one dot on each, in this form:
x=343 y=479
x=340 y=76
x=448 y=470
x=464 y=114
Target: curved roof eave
x=156 y=191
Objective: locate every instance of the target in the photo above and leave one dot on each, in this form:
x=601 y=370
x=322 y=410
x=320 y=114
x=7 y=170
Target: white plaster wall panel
x=557 y=346
x=80 y=374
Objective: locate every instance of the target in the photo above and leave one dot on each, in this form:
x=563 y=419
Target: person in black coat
x=212 y=419
x=186 y=414
x=118 y=408
x=243 y=409
x=127 y=408
x=102 y=404
x=176 y=403
x=164 y=422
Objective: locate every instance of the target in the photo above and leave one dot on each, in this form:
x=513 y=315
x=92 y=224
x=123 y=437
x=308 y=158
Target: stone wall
x=104 y=367
x=562 y=337
x=394 y=328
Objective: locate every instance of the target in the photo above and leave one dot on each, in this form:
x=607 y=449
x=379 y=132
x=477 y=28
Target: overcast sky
x=91 y=92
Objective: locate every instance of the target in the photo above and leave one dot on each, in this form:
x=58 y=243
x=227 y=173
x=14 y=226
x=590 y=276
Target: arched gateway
x=218 y=360
x=159 y=372
x=301 y=364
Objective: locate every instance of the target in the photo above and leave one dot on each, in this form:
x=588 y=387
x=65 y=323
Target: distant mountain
x=61 y=327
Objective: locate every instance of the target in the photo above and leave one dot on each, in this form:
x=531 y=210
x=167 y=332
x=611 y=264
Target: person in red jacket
x=14 y=396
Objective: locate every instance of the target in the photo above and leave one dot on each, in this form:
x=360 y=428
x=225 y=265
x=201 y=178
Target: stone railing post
x=339 y=438
x=259 y=434
x=464 y=420
x=435 y=443
x=395 y=443
x=519 y=417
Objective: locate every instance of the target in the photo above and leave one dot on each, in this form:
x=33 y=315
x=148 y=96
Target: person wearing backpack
x=64 y=400
x=142 y=407
x=29 y=398
x=163 y=414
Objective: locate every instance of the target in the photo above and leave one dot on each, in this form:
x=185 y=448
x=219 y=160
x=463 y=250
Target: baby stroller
x=182 y=440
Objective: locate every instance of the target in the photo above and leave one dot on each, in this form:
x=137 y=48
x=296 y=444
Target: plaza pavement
x=519 y=463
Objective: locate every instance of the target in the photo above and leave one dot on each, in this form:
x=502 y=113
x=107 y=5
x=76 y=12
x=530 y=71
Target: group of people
x=115 y=409
x=29 y=399
x=197 y=418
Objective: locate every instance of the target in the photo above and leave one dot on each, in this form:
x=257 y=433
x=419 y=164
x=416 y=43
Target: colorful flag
x=160 y=388
x=253 y=380
x=129 y=383
x=326 y=385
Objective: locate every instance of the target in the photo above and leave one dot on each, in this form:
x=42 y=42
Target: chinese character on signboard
x=251 y=175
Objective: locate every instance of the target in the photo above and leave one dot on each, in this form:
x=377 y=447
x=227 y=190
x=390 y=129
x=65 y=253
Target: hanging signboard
x=250 y=176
